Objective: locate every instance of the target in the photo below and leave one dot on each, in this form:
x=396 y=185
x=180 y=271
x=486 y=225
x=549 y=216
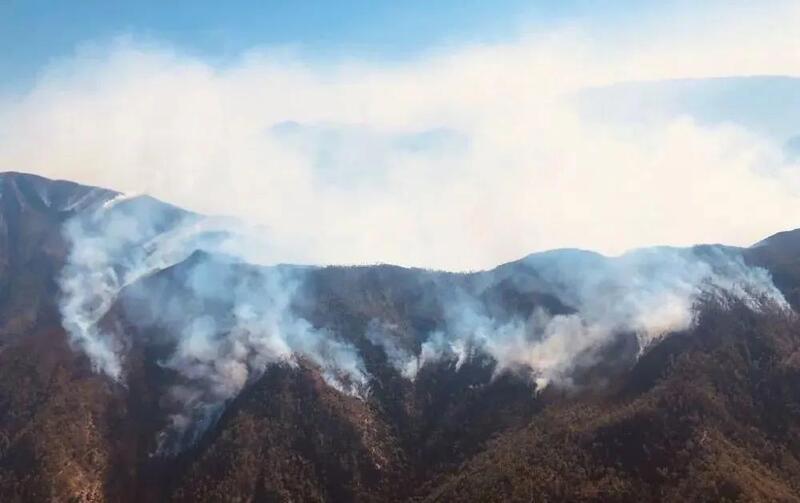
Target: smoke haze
x=458 y=158
x=354 y=162
x=188 y=284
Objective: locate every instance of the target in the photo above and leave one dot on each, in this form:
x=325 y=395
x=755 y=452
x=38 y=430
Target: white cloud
x=358 y=178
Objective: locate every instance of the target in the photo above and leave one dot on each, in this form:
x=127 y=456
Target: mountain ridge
x=439 y=420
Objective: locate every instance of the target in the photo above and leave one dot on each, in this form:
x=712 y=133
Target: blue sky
x=36 y=32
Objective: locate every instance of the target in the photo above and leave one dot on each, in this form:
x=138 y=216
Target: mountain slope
x=56 y=416
x=710 y=415
x=382 y=383
x=780 y=253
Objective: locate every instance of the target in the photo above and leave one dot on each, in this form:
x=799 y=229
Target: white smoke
x=487 y=134
x=223 y=320
x=647 y=293
x=117 y=252
x=111 y=246
x=386 y=336
x=93 y=276
x=232 y=322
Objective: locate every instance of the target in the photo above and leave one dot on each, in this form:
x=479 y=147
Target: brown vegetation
x=712 y=414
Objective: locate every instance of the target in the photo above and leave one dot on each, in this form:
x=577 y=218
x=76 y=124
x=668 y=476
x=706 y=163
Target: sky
x=50 y=30
x=452 y=135
x=40 y=31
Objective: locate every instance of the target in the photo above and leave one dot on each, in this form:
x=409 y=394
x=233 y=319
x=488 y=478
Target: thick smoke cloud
x=370 y=160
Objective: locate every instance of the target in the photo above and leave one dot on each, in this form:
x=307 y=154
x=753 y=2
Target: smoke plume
x=223 y=319
x=647 y=293
x=219 y=319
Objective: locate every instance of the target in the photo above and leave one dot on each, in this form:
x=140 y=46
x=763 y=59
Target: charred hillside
x=142 y=359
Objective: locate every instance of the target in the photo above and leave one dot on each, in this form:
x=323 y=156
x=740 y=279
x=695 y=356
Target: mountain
x=142 y=358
